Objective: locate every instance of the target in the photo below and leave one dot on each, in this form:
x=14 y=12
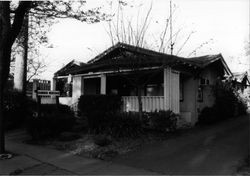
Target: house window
x=200 y=95
x=154 y=90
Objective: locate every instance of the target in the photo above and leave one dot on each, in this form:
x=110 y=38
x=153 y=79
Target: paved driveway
x=212 y=150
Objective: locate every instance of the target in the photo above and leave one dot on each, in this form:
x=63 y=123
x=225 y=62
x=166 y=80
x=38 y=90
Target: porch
x=160 y=90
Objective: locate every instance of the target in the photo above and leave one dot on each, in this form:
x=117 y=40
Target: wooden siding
x=171 y=90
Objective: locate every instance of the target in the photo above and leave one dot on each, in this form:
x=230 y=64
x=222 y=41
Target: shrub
x=52 y=121
x=17 y=107
x=104 y=117
x=102 y=140
x=97 y=107
x=119 y=125
x=228 y=104
x=208 y=115
x=242 y=106
x=162 y=120
x=68 y=136
x=89 y=104
x=123 y=124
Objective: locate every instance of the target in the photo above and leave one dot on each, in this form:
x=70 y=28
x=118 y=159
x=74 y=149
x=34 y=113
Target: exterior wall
x=208 y=97
x=188 y=105
x=65 y=101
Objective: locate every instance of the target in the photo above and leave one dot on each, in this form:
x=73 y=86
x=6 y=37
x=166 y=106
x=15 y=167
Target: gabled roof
x=107 y=54
x=209 y=59
x=71 y=65
x=120 y=55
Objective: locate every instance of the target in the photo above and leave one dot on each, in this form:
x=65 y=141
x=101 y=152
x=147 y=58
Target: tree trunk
x=5 y=49
x=20 y=75
x=4 y=72
x=2 y=144
x=8 y=34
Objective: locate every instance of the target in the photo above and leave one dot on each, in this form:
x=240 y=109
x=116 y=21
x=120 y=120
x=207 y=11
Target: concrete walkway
x=41 y=160
x=211 y=150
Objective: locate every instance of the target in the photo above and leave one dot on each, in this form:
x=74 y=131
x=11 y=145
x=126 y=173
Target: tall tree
x=41 y=14
x=11 y=21
x=8 y=33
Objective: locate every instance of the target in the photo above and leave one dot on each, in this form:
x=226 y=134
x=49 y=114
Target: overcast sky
x=223 y=24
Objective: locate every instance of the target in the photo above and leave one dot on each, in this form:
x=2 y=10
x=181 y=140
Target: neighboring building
x=242 y=84
x=241 y=81
x=183 y=85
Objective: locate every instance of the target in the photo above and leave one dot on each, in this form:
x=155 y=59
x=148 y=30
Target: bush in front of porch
x=96 y=108
x=104 y=116
x=164 y=121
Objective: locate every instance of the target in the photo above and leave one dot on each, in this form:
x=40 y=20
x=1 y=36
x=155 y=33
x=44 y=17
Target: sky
x=219 y=26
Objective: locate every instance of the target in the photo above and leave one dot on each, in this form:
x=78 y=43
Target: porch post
x=53 y=84
x=167 y=88
x=103 y=84
x=77 y=88
x=175 y=91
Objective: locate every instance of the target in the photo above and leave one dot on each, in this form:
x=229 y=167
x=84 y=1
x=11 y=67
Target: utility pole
x=171 y=30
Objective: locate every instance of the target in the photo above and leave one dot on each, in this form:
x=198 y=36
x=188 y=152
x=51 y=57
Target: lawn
x=104 y=147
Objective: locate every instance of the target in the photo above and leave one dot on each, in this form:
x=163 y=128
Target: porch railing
x=149 y=103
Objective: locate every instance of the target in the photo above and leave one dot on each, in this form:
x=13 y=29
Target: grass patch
x=92 y=146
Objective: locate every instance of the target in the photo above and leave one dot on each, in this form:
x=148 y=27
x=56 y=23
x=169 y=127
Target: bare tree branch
x=199 y=47
x=185 y=42
x=18 y=20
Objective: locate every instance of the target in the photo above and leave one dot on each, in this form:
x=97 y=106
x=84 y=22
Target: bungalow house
x=183 y=85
